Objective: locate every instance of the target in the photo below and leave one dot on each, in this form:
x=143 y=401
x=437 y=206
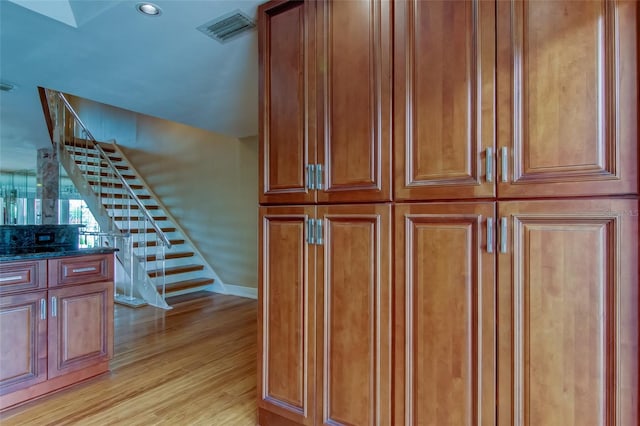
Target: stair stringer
x=218 y=284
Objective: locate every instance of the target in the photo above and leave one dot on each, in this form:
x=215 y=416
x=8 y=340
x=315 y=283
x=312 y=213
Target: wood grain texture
x=194 y=364
x=80 y=327
x=568 y=97
x=286 y=317
x=445 y=362
x=287 y=100
x=23 y=341
x=444 y=111
x=354 y=100
x=568 y=304
x=354 y=316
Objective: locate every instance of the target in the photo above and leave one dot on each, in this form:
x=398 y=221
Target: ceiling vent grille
x=227 y=27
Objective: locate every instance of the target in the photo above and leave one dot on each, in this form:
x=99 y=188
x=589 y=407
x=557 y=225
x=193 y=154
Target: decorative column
x=47 y=184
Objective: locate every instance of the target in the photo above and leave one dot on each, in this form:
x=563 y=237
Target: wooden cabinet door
x=287 y=101
x=23 y=341
x=568 y=313
x=354 y=100
x=445 y=361
x=568 y=97
x=80 y=334
x=286 y=317
x=444 y=108
x=354 y=324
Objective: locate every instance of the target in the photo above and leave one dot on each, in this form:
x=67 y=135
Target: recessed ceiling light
x=149 y=9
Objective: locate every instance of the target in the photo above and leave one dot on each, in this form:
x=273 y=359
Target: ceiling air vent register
x=227 y=27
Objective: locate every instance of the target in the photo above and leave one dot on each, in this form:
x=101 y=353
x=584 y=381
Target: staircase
x=156 y=254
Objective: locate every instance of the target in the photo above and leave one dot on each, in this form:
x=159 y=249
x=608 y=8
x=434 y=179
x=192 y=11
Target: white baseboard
x=241 y=291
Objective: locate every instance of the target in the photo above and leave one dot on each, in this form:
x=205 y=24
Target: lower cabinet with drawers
x=56 y=324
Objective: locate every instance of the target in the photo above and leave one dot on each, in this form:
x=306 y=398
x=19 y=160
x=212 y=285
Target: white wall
x=209 y=182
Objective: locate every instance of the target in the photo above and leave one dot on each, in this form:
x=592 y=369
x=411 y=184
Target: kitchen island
x=56 y=318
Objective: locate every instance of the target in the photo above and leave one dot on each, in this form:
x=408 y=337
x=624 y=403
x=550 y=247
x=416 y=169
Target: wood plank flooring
x=193 y=365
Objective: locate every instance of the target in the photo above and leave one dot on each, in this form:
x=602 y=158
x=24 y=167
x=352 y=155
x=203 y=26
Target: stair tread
x=105 y=174
x=176 y=255
x=175 y=270
x=126 y=218
x=183 y=285
x=114 y=184
x=118 y=195
x=150 y=230
x=125 y=206
x=83 y=153
x=88 y=143
x=137 y=244
x=98 y=164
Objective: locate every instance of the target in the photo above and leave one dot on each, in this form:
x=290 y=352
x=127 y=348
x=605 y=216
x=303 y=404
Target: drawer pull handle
x=54 y=306
x=91 y=269
x=11 y=278
x=43 y=309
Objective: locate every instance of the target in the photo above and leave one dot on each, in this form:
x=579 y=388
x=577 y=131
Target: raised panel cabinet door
x=80 y=327
x=354 y=316
x=445 y=332
x=23 y=341
x=444 y=108
x=286 y=327
x=287 y=101
x=567 y=97
x=354 y=100
x=568 y=313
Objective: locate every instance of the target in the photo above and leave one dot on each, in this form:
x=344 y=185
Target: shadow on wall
x=211 y=189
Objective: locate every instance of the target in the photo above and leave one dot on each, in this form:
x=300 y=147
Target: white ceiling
x=108 y=52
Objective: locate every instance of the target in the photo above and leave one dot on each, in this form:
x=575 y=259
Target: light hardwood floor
x=193 y=365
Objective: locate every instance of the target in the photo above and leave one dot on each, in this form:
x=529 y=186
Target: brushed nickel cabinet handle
x=43 y=309
x=319 y=233
x=311 y=176
x=310 y=230
x=503 y=235
x=11 y=278
x=319 y=177
x=489 y=235
x=54 y=307
x=489 y=164
x=89 y=269
x=504 y=158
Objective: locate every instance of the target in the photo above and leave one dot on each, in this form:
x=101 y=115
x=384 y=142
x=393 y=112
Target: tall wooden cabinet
x=325 y=119
x=568 y=312
x=325 y=325
x=568 y=98
x=444 y=91
x=513 y=217
x=445 y=300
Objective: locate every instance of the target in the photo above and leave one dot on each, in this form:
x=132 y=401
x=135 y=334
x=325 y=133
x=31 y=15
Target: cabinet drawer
x=23 y=276
x=80 y=270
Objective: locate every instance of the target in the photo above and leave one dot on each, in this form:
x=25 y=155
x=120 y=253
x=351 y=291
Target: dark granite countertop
x=27 y=253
